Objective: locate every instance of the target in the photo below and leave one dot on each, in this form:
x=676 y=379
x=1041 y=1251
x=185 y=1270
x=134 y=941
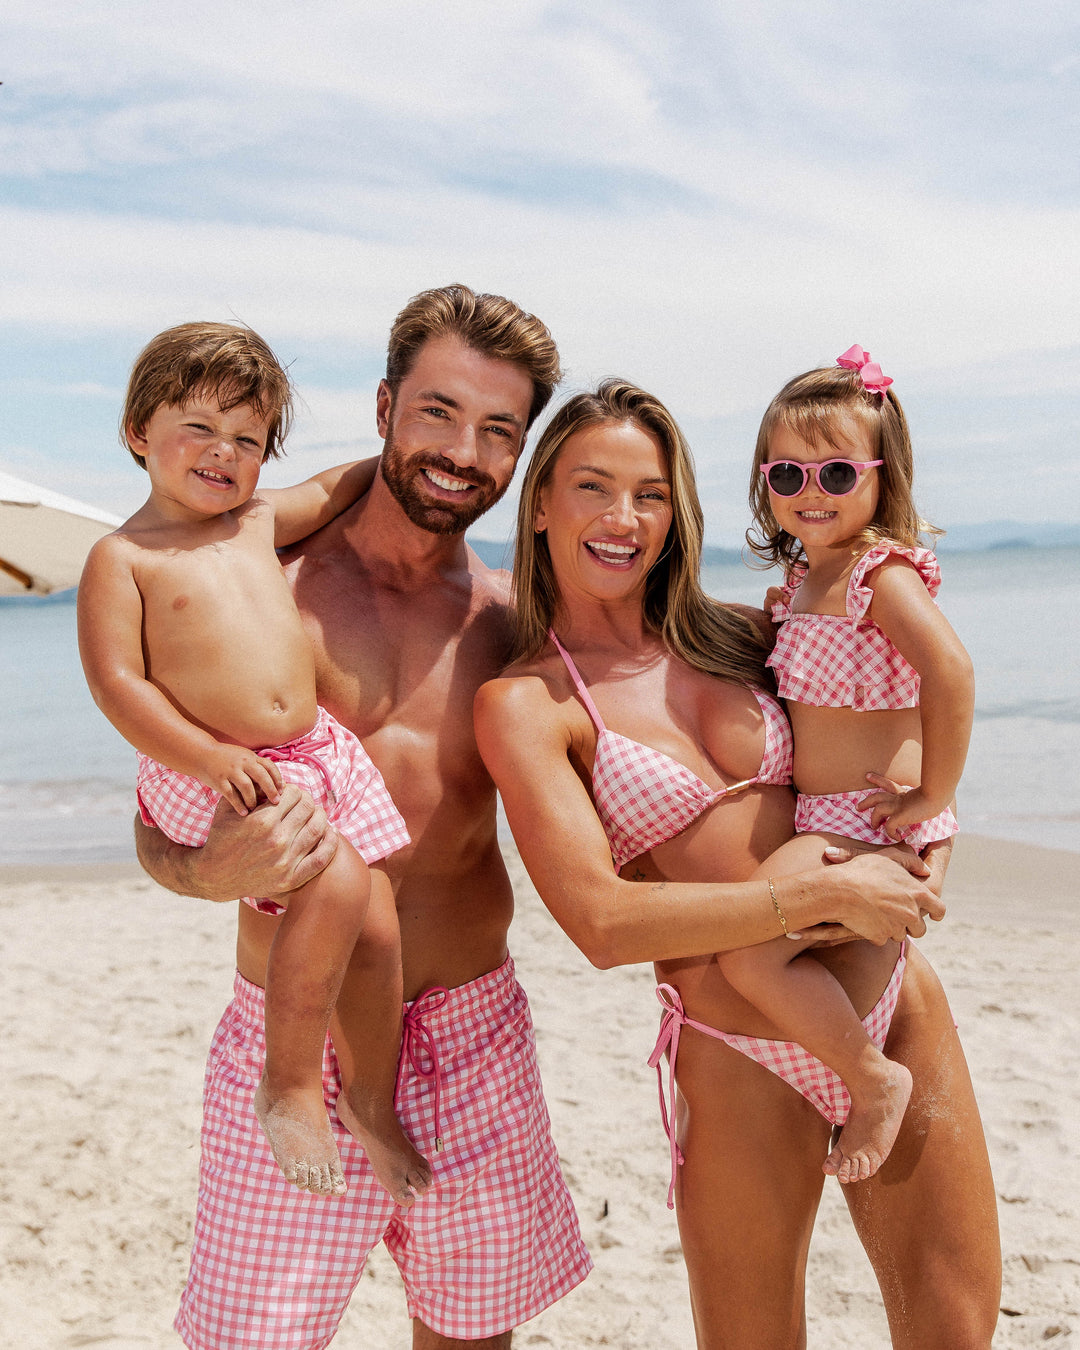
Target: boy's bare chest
x=212 y=588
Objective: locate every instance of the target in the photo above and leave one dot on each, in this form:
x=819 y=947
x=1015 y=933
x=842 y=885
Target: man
x=406 y=623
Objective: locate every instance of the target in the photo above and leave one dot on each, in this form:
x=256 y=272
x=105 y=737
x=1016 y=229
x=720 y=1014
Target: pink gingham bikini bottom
x=819 y=1084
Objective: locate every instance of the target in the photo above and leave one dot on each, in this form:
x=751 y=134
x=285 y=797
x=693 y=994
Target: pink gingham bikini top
x=644 y=797
x=846 y=661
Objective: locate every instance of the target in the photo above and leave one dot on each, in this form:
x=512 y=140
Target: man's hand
x=269 y=852
x=274 y=849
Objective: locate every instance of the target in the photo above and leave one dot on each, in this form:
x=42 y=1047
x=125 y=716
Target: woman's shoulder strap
x=579 y=683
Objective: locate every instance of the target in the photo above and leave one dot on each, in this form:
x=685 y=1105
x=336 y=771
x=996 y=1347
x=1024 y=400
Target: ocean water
x=66 y=778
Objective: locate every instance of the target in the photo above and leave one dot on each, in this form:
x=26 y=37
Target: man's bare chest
x=412 y=667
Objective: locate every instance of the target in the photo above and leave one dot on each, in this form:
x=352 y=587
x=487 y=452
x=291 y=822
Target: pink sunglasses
x=834 y=477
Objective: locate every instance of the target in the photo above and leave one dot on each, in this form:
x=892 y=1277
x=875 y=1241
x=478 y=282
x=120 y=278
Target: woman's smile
x=612 y=553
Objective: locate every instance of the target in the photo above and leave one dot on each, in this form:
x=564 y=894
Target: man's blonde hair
x=490 y=324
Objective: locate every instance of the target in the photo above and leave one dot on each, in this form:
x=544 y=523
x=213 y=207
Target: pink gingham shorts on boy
x=493 y=1243
x=329 y=763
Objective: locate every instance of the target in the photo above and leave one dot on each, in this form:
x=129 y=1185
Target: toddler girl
x=873 y=676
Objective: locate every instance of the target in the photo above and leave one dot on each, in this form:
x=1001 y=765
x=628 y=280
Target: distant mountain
x=711 y=556
x=494 y=553
x=56 y=598
x=997 y=534
x=994 y=534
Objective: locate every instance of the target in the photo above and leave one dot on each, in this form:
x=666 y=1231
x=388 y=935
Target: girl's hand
x=896 y=807
x=773 y=596
x=241 y=776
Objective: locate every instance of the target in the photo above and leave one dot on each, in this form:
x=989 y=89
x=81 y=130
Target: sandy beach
x=113 y=987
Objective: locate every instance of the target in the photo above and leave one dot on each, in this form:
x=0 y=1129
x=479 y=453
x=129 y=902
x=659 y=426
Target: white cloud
x=704 y=199
x=91 y=389
x=937 y=278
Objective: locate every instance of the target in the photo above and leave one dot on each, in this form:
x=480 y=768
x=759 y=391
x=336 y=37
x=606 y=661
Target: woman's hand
x=879 y=900
x=937 y=857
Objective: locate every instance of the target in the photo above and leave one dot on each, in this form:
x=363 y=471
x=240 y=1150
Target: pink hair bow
x=874 y=382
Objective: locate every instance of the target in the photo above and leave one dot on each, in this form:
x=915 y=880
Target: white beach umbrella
x=44 y=537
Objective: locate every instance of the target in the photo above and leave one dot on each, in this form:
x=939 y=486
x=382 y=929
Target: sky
x=705 y=198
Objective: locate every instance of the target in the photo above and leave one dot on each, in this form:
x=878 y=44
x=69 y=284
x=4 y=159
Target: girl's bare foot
x=398 y=1167
x=298 y=1131
x=872 y=1126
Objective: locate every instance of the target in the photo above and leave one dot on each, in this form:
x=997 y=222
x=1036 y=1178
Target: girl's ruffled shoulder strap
x=860 y=594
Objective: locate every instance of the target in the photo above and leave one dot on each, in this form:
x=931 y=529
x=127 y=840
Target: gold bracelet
x=779 y=911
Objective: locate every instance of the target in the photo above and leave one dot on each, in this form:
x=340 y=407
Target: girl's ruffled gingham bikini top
x=845 y=660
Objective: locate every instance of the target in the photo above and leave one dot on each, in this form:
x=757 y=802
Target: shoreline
x=114 y=987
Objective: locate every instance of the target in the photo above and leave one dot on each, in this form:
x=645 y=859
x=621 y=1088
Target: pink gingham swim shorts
x=838 y=813
x=329 y=763
x=492 y=1244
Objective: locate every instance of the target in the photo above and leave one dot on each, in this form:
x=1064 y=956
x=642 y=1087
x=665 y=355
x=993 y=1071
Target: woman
x=651 y=698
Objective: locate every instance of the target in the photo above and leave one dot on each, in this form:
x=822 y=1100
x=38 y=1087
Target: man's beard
x=436 y=517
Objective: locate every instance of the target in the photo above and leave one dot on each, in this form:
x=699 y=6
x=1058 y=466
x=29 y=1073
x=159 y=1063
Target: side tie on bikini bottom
x=821 y=1086
x=672 y=1020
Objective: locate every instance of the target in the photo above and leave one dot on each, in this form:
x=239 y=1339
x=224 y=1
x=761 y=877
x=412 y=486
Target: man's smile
x=447 y=484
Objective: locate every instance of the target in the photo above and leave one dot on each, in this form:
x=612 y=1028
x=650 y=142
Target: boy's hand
x=242 y=777
x=896 y=807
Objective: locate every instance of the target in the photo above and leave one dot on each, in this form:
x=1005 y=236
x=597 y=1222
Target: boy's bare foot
x=872 y=1126
x=298 y=1131
x=398 y=1167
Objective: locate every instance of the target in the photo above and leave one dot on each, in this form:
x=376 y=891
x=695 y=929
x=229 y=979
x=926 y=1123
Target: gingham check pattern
x=494 y=1243
x=816 y=1081
x=360 y=807
x=838 y=813
x=833 y=661
x=644 y=797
